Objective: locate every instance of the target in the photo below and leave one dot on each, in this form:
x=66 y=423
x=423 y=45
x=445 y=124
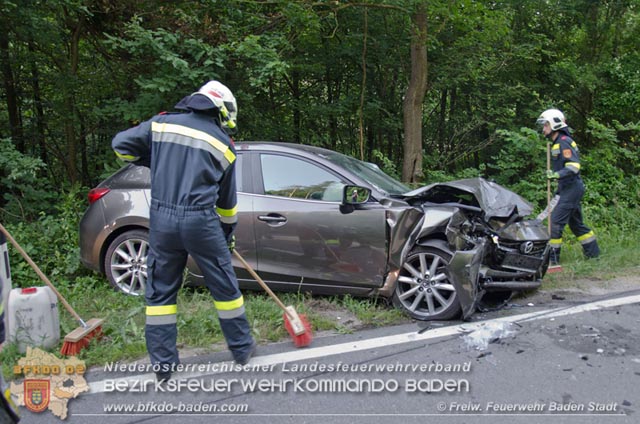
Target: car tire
x=125 y=262
x=424 y=290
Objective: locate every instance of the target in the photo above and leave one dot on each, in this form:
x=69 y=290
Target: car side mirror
x=355 y=195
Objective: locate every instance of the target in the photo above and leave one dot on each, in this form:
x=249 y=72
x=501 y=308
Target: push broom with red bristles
x=79 y=338
x=296 y=325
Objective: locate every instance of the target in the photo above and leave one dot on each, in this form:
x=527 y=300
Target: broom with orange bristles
x=79 y=338
x=296 y=325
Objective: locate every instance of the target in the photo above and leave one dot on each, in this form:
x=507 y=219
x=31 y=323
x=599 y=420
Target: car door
x=244 y=231
x=301 y=235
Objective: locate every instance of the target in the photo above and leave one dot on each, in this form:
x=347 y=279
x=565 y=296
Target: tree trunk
x=363 y=88
x=333 y=119
x=15 y=123
x=70 y=104
x=442 y=119
x=412 y=104
x=39 y=111
x=84 y=160
x=297 y=115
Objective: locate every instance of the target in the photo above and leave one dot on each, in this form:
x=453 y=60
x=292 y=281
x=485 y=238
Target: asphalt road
x=574 y=361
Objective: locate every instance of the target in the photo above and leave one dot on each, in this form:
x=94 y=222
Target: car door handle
x=272 y=219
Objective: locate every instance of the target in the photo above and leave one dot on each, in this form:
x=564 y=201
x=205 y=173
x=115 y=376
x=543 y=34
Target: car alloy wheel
x=424 y=290
x=126 y=262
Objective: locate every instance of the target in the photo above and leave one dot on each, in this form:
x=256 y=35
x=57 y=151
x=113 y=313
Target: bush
x=51 y=241
x=25 y=191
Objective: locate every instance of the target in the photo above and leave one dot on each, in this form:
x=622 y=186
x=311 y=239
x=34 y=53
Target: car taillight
x=96 y=193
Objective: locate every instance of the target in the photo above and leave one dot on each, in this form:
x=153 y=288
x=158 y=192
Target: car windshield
x=368 y=172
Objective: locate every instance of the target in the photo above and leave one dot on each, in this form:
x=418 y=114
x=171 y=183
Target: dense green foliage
x=317 y=72
x=77 y=71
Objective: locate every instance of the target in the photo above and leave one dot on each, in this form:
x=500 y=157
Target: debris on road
x=488 y=333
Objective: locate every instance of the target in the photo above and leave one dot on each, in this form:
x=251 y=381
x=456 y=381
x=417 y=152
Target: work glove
x=231 y=243
x=552 y=175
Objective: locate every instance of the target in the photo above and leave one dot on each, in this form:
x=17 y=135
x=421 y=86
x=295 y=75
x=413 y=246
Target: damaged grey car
x=314 y=220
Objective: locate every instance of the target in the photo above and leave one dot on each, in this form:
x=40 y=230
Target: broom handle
x=42 y=276
x=549 y=186
x=262 y=283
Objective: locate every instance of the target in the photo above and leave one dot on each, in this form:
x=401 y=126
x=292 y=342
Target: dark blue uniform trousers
x=175 y=232
x=569 y=211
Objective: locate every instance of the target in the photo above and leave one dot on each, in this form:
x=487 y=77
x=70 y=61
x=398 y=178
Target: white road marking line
x=378 y=342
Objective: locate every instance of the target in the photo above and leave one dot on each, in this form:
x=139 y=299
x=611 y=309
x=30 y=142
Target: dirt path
x=584 y=288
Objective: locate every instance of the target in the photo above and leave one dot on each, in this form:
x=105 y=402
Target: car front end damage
x=510 y=257
x=482 y=227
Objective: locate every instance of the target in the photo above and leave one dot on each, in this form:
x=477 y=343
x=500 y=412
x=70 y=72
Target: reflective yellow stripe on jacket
x=228 y=216
x=179 y=134
x=126 y=158
x=573 y=166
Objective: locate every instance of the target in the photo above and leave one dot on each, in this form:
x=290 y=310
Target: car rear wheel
x=424 y=290
x=126 y=262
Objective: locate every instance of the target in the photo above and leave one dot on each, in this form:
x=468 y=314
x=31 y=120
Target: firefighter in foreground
x=193 y=211
x=565 y=168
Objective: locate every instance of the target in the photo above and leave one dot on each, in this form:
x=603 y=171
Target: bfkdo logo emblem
x=36 y=394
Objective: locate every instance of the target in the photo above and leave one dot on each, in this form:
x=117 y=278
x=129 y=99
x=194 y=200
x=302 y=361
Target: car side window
x=295 y=178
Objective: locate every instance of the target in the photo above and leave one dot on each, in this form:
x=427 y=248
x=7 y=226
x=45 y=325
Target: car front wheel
x=126 y=262
x=424 y=290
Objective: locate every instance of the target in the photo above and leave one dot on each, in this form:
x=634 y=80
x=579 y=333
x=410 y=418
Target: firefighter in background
x=565 y=168
x=193 y=212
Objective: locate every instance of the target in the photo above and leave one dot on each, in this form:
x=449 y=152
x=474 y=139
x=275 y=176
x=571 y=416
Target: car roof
x=319 y=154
x=282 y=146
x=123 y=177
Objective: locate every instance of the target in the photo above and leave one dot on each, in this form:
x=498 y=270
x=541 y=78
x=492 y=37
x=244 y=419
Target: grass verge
x=620 y=250
x=198 y=327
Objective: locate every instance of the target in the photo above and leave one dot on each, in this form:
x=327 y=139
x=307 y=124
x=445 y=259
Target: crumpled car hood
x=494 y=199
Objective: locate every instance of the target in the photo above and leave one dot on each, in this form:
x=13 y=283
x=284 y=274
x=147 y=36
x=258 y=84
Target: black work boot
x=243 y=359
x=591 y=249
x=163 y=377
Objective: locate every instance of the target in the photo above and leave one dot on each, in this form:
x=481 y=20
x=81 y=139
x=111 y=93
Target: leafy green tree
x=333 y=74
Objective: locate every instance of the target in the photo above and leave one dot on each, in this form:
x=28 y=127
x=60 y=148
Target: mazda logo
x=526 y=247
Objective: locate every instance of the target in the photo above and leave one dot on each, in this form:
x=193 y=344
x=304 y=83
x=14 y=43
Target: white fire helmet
x=554 y=117
x=224 y=100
